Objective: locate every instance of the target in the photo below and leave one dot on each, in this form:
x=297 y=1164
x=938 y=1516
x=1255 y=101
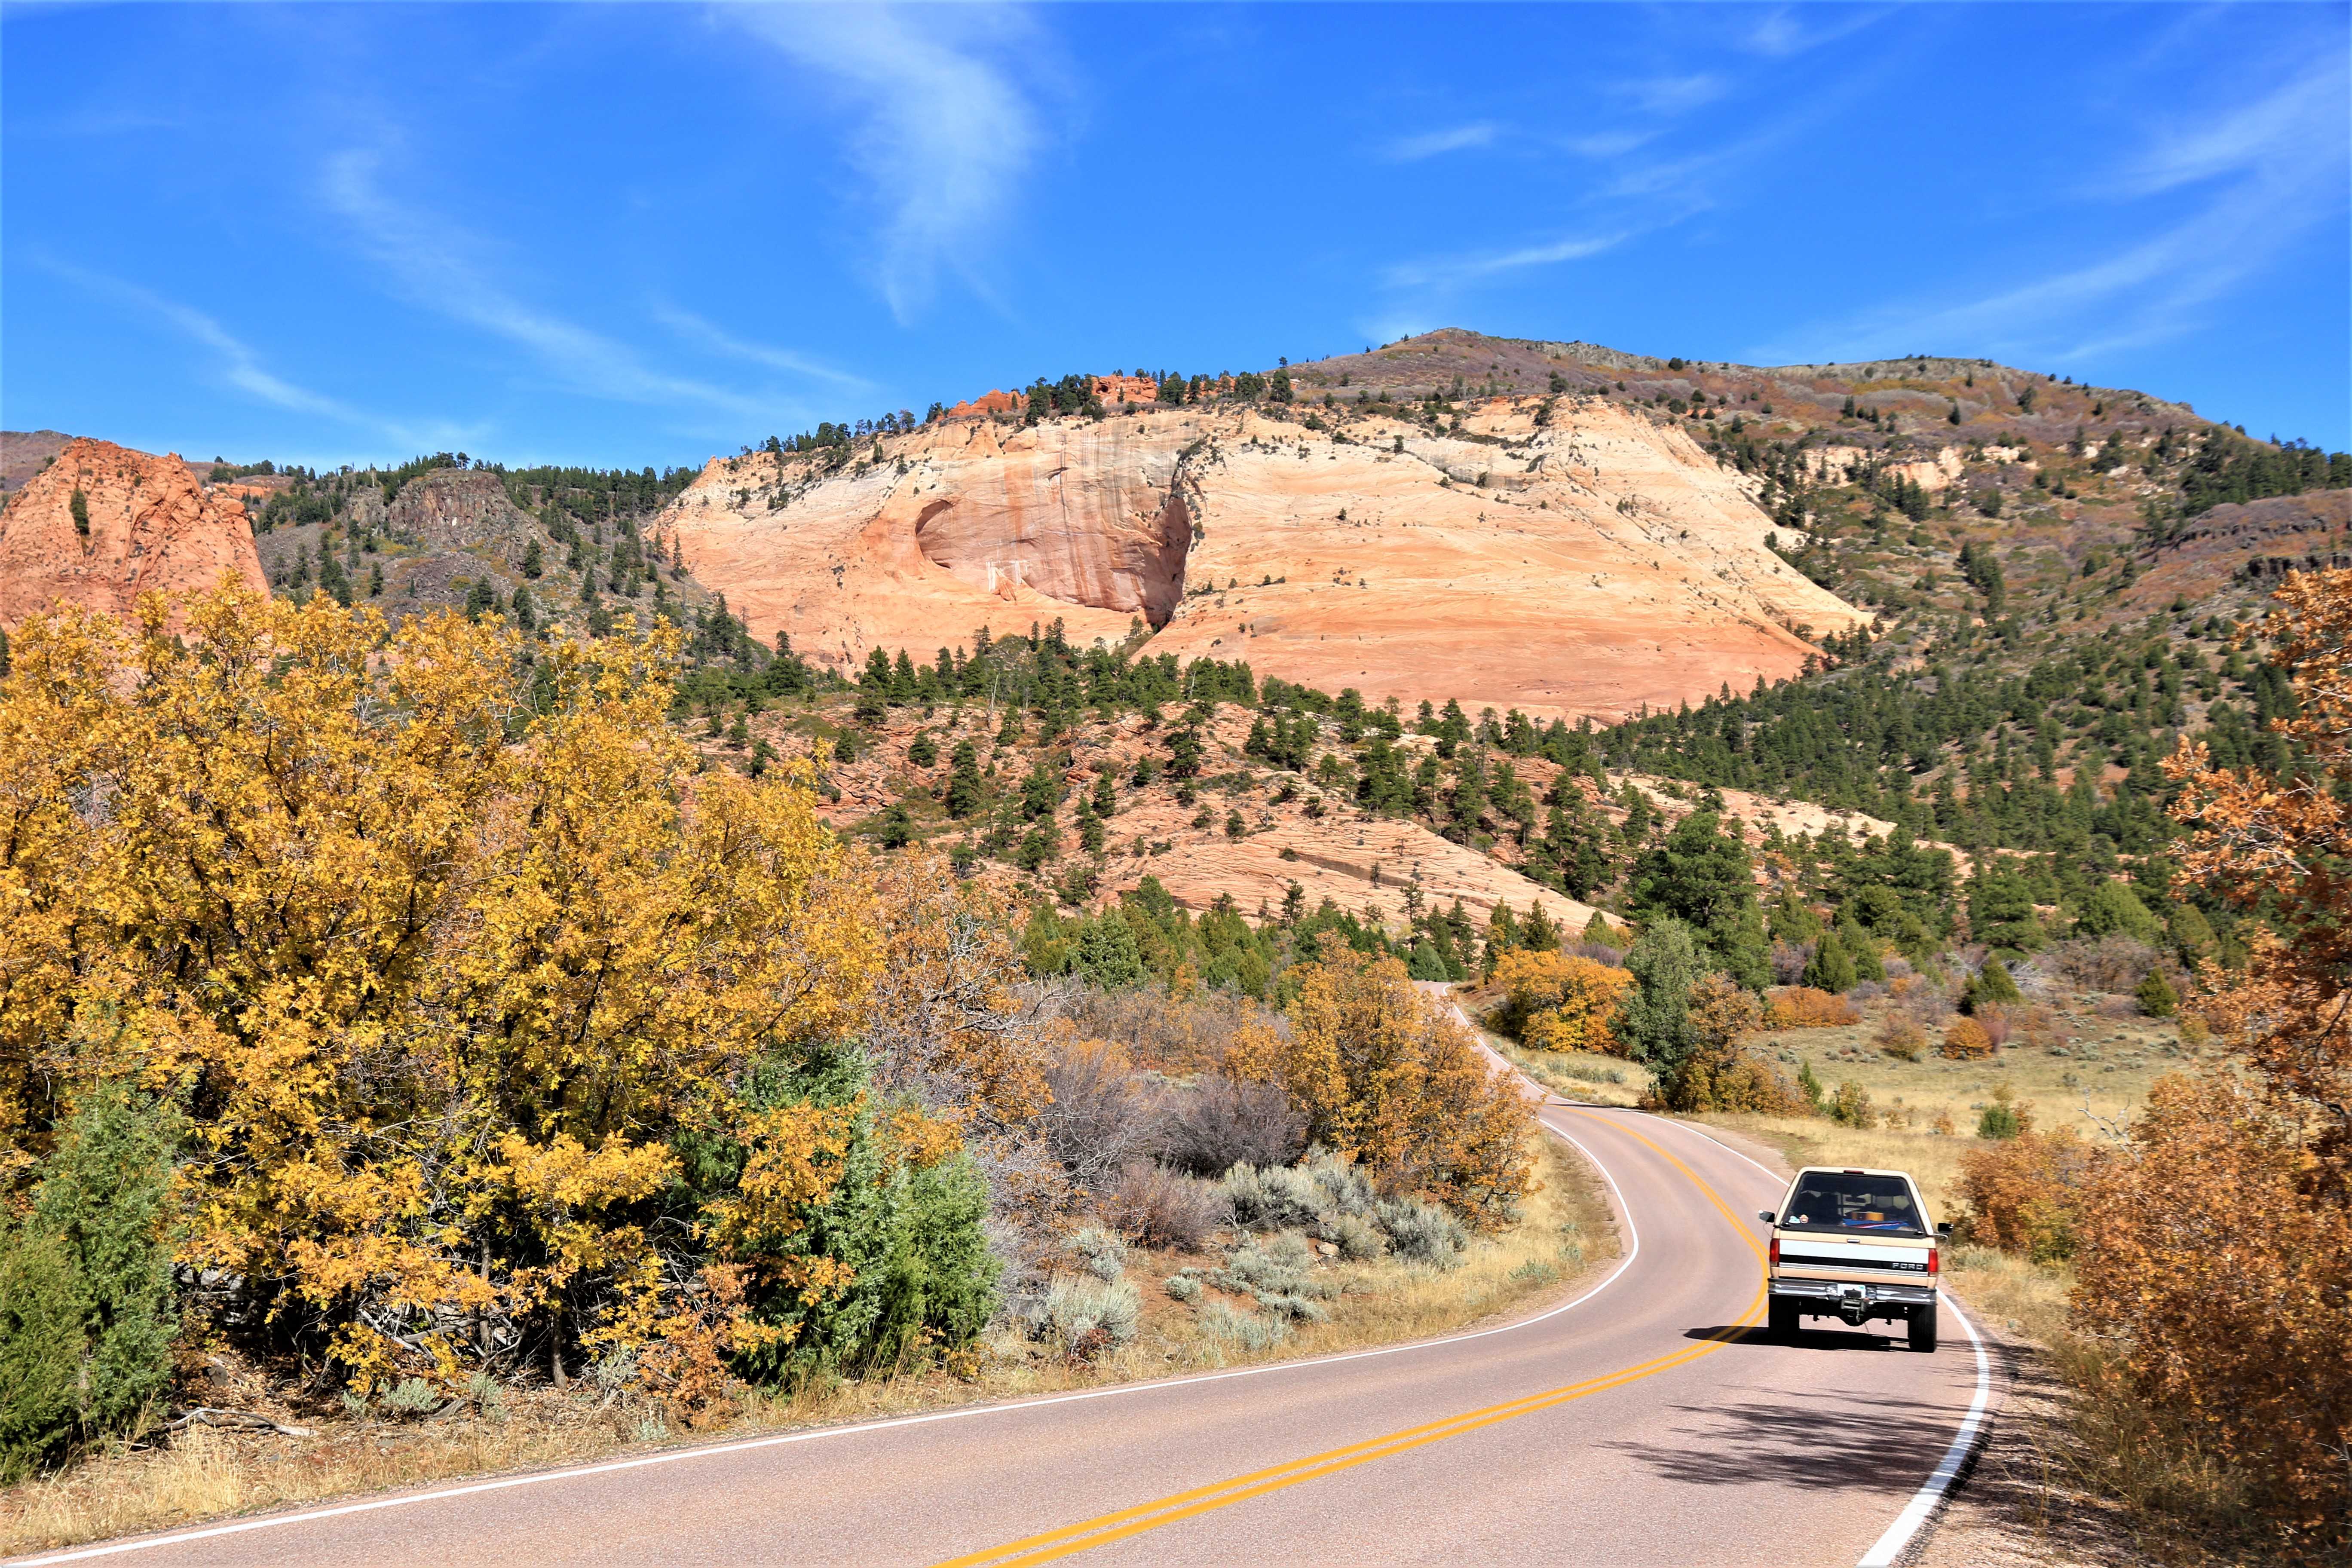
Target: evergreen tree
x=964 y=789
x=91 y=1282
x=2156 y=996
x=1831 y=967
x=1862 y=948
x=1989 y=986
x=533 y=562
x=1654 y=1022
x=2000 y=910
x=1700 y=875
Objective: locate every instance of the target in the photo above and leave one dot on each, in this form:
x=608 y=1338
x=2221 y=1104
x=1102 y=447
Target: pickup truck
x=1855 y=1245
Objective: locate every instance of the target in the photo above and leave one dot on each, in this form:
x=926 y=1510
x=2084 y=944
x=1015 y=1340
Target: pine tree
x=2156 y=996
x=964 y=788
x=533 y=562
x=78 y=505
x=1831 y=967
x=89 y=1281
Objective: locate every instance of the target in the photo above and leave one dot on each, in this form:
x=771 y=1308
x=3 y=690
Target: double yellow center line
x=1088 y=1534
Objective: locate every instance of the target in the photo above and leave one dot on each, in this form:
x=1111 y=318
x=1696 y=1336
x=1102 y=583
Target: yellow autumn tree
x=1387 y=1080
x=446 y=949
x=1557 y=1002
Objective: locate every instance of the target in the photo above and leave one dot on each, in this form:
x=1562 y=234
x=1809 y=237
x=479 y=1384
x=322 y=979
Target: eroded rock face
x=1590 y=565
x=151 y=527
x=450 y=509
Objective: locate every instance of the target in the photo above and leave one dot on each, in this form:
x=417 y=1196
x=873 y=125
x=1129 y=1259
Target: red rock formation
x=151 y=526
x=989 y=402
x=1116 y=388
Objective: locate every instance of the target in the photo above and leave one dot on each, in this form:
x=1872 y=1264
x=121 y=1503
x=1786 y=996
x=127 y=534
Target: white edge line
x=276 y=1521
x=1924 y=1502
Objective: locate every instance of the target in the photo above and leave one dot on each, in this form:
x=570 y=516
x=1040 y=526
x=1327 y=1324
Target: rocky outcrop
x=149 y=527
x=453 y=508
x=1567 y=557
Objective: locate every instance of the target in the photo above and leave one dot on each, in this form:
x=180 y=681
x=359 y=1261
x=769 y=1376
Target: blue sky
x=632 y=235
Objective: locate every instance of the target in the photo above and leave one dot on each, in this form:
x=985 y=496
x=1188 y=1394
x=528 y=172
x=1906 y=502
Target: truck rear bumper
x=1852 y=1300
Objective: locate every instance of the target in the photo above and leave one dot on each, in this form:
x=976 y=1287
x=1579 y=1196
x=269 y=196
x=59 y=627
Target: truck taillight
x=1776 y=1256
x=1935 y=1260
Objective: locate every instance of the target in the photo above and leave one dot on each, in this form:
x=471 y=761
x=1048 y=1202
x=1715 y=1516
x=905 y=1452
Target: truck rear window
x=1841 y=1202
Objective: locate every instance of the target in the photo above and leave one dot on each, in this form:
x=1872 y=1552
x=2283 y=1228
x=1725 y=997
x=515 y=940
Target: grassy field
x=1563 y=1235
x=2092 y=1078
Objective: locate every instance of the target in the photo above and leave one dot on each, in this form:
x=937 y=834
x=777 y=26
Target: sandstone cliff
x=150 y=526
x=1571 y=559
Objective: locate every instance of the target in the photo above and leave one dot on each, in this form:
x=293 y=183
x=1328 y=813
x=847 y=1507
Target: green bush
x=89 y=1282
x=41 y=1347
x=1999 y=1121
x=2156 y=996
x=1851 y=1106
x=922 y=1270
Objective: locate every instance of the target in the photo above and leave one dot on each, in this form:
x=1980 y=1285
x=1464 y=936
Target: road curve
x=1636 y=1423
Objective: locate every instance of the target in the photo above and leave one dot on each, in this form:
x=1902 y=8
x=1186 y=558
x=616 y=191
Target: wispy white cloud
x=1431 y=144
x=696 y=330
x=1455 y=271
x=2277 y=129
x=1779 y=35
x=1672 y=94
x=1609 y=144
x=2287 y=153
x=947 y=133
x=436 y=265
x=237 y=364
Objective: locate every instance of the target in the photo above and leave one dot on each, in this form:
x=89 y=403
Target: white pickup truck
x=1855 y=1245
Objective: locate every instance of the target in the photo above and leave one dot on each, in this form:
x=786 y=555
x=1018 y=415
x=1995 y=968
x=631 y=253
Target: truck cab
x=1854 y=1245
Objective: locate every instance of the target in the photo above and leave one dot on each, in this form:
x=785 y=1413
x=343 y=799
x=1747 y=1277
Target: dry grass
x=2092 y=1078
x=1564 y=1233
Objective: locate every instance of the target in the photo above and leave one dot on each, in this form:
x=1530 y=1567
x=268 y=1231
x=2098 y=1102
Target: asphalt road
x=1638 y=1423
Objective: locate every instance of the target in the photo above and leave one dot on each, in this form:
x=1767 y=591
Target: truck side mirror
x=1768 y=1216
x=1944 y=1229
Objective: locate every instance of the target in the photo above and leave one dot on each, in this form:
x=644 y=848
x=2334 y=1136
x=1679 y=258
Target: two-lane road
x=1638 y=1423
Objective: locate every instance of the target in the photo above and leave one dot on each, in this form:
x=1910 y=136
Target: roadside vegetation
x=414 y=1059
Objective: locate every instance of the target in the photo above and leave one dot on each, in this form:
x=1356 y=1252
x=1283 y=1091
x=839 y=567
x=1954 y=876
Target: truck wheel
x=1780 y=1321
x=1923 y=1329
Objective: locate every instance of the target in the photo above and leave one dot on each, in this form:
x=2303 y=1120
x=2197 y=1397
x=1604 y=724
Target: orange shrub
x=1965 y=1040
x=2227 y=1292
x=1901 y=1037
x=2024 y=1194
x=1804 y=1007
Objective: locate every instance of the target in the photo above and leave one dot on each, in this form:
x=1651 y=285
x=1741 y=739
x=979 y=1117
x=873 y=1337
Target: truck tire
x=1923 y=1329
x=1780 y=1321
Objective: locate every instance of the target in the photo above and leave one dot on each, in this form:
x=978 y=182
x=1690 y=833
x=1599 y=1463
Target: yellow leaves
x=913 y=1136
x=1560 y=1003
x=1388 y=1080
x=563 y=1177
x=795 y=1158
x=441 y=948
